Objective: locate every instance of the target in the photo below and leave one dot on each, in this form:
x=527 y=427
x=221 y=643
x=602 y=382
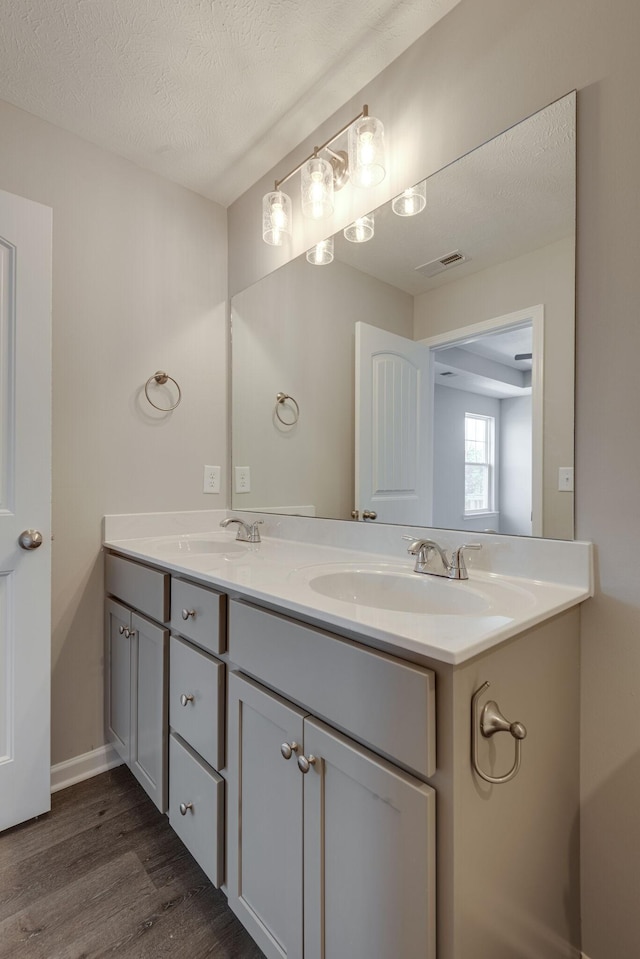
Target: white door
x=25 y=504
x=393 y=473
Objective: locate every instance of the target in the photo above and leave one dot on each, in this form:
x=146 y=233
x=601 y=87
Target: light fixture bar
x=316 y=150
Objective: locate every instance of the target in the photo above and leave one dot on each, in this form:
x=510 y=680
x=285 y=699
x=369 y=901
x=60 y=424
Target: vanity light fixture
x=411 y=201
x=317 y=188
x=360 y=230
x=276 y=217
x=364 y=164
x=366 y=151
x=322 y=253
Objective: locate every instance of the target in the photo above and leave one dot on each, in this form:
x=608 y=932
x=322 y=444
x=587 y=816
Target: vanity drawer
x=204 y=610
x=201 y=720
x=146 y=589
x=381 y=701
x=195 y=786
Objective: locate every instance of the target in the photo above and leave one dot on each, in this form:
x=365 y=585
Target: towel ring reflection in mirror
x=281 y=399
x=161 y=378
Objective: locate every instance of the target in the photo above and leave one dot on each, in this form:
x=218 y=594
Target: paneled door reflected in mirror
x=433 y=366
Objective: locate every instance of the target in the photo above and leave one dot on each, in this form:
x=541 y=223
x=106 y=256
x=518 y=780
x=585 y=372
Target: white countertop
x=280 y=572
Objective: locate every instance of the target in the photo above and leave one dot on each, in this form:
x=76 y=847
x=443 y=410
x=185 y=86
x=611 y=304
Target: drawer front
x=199 y=677
x=380 y=701
x=140 y=586
x=199 y=614
x=198 y=788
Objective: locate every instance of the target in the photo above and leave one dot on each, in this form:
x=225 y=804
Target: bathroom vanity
x=314 y=753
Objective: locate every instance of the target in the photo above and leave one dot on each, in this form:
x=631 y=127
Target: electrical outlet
x=243 y=479
x=211 y=481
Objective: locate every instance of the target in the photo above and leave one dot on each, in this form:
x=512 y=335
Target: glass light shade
x=317 y=188
x=411 y=201
x=321 y=253
x=360 y=230
x=276 y=217
x=366 y=152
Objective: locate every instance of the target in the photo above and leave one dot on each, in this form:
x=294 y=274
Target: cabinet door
x=369 y=854
x=149 y=707
x=264 y=818
x=118 y=619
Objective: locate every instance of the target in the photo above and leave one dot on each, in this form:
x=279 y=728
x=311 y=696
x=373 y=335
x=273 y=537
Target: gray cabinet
x=349 y=845
x=137 y=687
x=196 y=720
x=166 y=697
x=196 y=808
x=264 y=818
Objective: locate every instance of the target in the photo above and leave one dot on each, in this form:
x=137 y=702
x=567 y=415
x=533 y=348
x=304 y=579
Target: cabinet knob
x=185 y=807
x=287 y=750
x=305 y=763
x=186 y=698
x=188 y=614
x=369 y=514
x=121 y=630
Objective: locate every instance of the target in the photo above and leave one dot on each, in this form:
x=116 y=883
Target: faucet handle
x=457 y=565
x=254 y=532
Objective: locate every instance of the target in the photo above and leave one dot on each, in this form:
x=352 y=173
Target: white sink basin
x=404 y=591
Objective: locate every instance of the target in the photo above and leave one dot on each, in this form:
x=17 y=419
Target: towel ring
x=280 y=399
x=161 y=378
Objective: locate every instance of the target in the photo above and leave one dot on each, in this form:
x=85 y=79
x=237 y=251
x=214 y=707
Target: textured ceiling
x=209 y=93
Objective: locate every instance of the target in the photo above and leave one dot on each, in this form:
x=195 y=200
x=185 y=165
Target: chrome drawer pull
x=305 y=763
x=185 y=807
x=287 y=750
x=188 y=614
x=185 y=699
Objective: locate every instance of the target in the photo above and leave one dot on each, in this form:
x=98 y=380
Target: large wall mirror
x=426 y=376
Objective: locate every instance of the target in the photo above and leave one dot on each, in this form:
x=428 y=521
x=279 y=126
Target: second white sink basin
x=404 y=591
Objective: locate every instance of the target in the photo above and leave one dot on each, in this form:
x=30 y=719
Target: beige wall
x=545 y=276
x=280 y=347
x=482 y=68
x=139 y=284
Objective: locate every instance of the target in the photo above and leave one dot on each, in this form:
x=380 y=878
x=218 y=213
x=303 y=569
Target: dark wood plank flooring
x=103 y=874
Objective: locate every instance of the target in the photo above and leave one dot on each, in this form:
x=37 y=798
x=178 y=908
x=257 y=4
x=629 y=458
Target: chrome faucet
x=453 y=568
x=246 y=533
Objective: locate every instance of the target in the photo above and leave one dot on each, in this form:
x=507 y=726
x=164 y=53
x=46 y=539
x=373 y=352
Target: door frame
x=535 y=314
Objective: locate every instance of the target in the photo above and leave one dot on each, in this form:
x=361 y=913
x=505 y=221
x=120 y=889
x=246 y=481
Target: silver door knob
x=30 y=538
x=188 y=614
x=305 y=763
x=287 y=750
x=186 y=698
x=185 y=807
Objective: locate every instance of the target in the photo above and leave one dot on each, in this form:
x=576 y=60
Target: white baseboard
x=90 y=764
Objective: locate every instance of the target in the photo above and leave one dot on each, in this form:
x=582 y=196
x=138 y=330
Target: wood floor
x=103 y=875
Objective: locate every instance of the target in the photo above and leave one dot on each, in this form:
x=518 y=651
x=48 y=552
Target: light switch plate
x=565 y=479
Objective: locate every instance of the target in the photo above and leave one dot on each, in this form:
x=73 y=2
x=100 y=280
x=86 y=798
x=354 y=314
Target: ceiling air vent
x=442 y=263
